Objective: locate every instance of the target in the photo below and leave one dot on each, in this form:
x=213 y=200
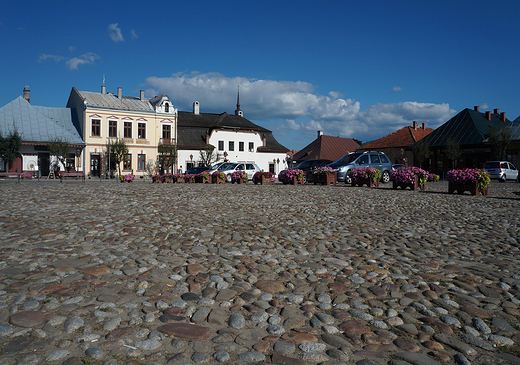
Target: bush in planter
x=406 y=175
x=467 y=176
x=219 y=175
x=126 y=178
x=287 y=176
x=177 y=177
x=203 y=176
x=26 y=175
x=237 y=175
x=158 y=178
x=258 y=175
x=323 y=170
x=366 y=173
x=188 y=178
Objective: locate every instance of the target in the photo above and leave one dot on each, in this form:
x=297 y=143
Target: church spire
x=237 y=110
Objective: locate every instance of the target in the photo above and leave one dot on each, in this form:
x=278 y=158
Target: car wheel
x=305 y=181
x=228 y=178
x=348 y=180
x=502 y=178
x=385 y=177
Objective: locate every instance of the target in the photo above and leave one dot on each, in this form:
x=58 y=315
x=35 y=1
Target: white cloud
x=87 y=59
x=396 y=89
x=484 y=106
x=115 y=33
x=72 y=48
x=44 y=57
x=134 y=34
x=285 y=106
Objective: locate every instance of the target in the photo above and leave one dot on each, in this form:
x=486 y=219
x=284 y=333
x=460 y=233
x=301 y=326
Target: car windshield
x=303 y=165
x=351 y=157
x=227 y=166
x=492 y=165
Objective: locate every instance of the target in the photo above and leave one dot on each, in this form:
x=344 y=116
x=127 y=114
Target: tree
x=453 y=152
x=208 y=156
x=60 y=149
x=357 y=141
x=10 y=145
x=118 y=152
x=500 y=136
x=167 y=156
x=421 y=150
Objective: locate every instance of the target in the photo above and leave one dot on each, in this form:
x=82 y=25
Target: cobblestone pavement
x=141 y=273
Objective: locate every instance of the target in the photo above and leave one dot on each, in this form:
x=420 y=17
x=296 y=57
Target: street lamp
x=225 y=156
x=191 y=160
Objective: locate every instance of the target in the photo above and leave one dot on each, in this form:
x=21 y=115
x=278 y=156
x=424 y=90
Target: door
x=44 y=163
x=95 y=165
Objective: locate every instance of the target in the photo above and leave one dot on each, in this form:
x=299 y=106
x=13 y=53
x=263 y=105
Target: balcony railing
x=167 y=141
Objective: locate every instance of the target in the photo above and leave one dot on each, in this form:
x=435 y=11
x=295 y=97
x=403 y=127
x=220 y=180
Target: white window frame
x=131 y=121
x=112 y=119
x=92 y=118
x=145 y=122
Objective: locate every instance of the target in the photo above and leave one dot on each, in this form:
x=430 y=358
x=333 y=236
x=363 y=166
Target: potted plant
x=189 y=178
x=178 y=178
x=167 y=178
x=324 y=175
x=126 y=178
x=203 y=177
x=473 y=180
x=263 y=177
x=365 y=176
x=410 y=177
x=292 y=176
x=239 y=177
x=26 y=175
x=218 y=177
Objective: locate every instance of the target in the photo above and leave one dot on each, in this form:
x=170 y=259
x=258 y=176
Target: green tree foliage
x=167 y=156
x=208 y=156
x=60 y=149
x=421 y=150
x=452 y=150
x=500 y=136
x=118 y=152
x=10 y=145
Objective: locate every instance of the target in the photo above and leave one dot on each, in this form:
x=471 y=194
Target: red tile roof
x=401 y=138
x=327 y=147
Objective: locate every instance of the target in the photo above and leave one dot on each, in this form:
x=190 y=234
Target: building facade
x=144 y=125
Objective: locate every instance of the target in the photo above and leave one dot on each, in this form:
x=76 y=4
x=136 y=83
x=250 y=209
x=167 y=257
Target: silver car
x=501 y=170
x=373 y=159
x=249 y=168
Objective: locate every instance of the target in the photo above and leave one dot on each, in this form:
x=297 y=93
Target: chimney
x=103 y=89
x=503 y=116
x=424 y=126
x=26 y=93
x=476 y=108
x=141 y=95
x=488 y=115
x=320 y=133
x=120 y=93
x=495 y=111
x=196 y=108
x=414 y=126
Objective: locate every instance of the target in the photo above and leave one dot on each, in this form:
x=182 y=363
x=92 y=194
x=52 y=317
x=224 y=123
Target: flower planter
x=325 y=179
x=167 y=179
x=472 y=187
x=240 y=181
x=264 y=180
x=179 y=180
x=368 y=182
x=190 y=180
x=202 y=180
x=413 y=186
x=217 y=180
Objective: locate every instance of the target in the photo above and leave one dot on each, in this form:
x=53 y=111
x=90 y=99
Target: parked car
x=249 y=168
x=501 y=170
x=216 y=166
x=308 y=165
x=196 y=170
x=373 y=159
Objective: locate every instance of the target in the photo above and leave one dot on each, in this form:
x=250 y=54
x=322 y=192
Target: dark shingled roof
x=327 y=147
x=469 y=127
x=193 y=128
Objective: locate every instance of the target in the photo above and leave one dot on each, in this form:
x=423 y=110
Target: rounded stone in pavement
x=94 y=352
x=73 y=323
x=285 y=348
x=57 y=355
x=237 y=321
x=251 y=356
x=270 y=286
x=147 y=344
x=221 y=356
x=29 y=318
x=5 y=330
x=187 y=331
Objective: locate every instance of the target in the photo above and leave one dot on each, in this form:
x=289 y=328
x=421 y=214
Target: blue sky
x=352 y=69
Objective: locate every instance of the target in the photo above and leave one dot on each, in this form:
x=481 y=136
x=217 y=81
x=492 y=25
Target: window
x=141 y=162
x=71 y=162
x=2 y=165
x=141 y=131
x=166 y=108
x=112 y=128
x=127 y=163
x=374 y=159
x=221 y=145
x=127 y=132
x=166 y=131
x=241 y=146
x=96 y=128
x=251 y=147
x=231 y=145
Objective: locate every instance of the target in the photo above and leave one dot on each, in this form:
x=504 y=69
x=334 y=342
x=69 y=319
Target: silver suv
x=249 y=168
x=501 y=170
x=373 y=159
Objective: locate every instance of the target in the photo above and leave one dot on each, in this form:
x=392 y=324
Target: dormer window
x=166 y=108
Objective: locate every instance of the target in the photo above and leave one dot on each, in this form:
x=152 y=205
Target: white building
x=234 y=138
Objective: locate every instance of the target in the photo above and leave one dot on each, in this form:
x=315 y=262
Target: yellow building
x=142 y=123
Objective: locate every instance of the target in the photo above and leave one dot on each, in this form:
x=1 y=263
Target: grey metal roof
x=111 y=101
x=38 y=124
